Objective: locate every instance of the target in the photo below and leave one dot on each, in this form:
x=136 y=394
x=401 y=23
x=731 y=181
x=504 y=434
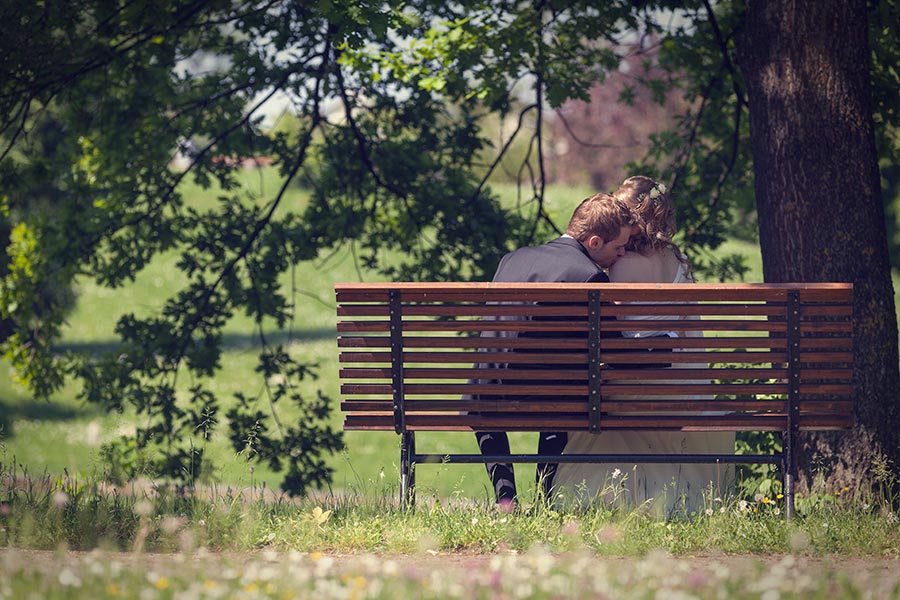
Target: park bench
x=421 y=357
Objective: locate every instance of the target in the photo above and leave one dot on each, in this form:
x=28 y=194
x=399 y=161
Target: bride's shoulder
x=635 y=267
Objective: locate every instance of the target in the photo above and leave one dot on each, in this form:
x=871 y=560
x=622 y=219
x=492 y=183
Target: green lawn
x=66 y=434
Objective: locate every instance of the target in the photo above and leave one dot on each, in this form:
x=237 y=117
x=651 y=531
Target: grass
x=71 y=512
x=153 y=543
x=78 y=431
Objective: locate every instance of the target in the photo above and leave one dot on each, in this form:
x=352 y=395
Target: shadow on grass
x=39 y=410
x=230 y=341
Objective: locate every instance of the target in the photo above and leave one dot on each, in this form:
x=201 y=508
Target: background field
x=65 y=434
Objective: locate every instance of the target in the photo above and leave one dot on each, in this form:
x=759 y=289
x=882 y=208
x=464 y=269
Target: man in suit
x=595 y=238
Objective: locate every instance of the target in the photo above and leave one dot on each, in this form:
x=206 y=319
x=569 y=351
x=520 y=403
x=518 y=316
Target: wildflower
x=777 y=511
x=757 y=497
x=143 y=508
x=742 y=505
x=709 y=512
x=162 y=583
x=766 y=500
x=319 y=516
x=60 y=498
x=381 y=473
x=69 y=579
x=616 y=474
x=779 y=496
x=474 y=520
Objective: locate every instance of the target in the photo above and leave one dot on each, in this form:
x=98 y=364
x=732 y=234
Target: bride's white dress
x=663 y=487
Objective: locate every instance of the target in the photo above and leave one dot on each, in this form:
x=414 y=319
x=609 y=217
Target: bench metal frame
x=394 y=296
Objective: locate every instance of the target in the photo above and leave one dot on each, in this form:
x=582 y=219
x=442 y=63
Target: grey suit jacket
x=563 y=259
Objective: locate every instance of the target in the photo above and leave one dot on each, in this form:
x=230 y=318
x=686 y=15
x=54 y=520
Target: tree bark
x=818 y=195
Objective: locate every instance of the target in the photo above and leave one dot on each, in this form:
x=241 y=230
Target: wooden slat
x=767 y=422
x=711 y=343
x=569 y=292
x=609 y=406
x=639 y=390
x=580 y=310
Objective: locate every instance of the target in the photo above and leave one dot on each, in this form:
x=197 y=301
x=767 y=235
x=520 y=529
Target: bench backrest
x=545 y=356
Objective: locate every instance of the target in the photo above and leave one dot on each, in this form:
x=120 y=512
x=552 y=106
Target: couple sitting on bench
x=629 y=233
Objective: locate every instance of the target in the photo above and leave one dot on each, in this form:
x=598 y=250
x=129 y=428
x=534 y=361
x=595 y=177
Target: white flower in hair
x=655 y=193
x=662 y=187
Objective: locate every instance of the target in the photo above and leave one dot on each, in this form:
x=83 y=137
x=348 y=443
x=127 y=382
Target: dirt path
x=879 y=576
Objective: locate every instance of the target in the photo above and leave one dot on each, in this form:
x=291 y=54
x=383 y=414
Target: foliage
x=388 y=101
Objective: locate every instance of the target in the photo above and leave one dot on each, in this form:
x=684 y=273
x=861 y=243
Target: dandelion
x=766 y=500
x=162 y=583
x=742 y=505
x=758 y=497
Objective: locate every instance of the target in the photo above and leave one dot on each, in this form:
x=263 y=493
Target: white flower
x=709 y=512
x=616 y=473
x=654 y=193
x=60 y=498
x=662 y=187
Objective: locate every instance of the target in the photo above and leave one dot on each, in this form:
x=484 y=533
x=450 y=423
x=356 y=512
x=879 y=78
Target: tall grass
x=76 y=513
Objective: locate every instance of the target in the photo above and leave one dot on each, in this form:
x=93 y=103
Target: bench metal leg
x=407 y=470
x=788 y=467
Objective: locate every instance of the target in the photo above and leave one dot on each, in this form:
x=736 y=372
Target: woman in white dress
x=663 y=488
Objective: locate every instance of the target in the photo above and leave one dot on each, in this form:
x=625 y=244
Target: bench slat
x=466 y=373
x=580 y=310
x=434 y=342
x=551 y=422
x=569 y=292
x=806 y=327
x=609 y=406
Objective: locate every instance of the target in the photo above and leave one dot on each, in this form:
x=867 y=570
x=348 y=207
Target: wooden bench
x=549 y=357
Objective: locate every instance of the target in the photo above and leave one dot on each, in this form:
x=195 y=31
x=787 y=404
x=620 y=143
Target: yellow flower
x=162 y=583
x=779 y=496
x=112 y=590
x=766 y=500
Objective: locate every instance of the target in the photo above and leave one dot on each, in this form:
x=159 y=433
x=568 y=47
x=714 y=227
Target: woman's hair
x=654 y=214
x=601 y=215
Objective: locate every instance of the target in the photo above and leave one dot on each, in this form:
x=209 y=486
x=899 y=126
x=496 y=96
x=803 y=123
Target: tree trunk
x=818 y=196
